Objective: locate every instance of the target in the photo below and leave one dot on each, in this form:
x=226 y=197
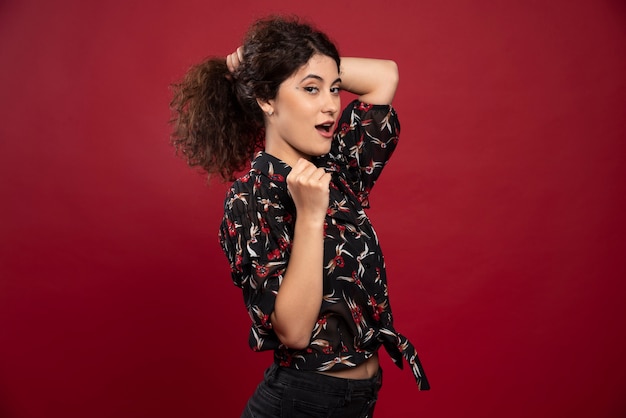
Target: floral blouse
x=256 y=234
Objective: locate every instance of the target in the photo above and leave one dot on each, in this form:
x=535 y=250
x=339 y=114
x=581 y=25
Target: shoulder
x=359 y=108
x=257 y=192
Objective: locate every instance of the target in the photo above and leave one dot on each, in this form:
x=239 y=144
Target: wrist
x=310 y=224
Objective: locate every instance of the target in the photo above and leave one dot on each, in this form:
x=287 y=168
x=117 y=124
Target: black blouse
x=256 y=234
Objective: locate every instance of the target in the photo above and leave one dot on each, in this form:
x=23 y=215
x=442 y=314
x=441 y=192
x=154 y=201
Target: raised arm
x=373 y=80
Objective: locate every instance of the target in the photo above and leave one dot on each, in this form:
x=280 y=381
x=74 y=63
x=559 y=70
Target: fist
x=309 y=188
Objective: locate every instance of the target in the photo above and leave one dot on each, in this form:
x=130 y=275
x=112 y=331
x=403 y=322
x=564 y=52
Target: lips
x=326 y=128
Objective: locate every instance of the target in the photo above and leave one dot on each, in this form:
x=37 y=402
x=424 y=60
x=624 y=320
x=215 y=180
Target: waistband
x=318 y=382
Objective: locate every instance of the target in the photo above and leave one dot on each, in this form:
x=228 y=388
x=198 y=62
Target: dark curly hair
x=217 y=122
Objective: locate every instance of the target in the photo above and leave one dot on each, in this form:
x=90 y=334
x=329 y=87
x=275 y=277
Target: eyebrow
x=317 y=77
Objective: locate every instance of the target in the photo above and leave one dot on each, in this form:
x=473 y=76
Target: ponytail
x=218 y=123
x=211 y=128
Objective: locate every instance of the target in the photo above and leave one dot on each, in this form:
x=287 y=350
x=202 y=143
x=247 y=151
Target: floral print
x=259 y=215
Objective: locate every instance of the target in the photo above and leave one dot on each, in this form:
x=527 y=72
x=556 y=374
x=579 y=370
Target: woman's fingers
x=304 y=172
x=229 y=63
x=235 y=59
x=239 y=52
x=309 y=188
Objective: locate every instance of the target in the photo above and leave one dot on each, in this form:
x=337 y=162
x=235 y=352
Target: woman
x=294 y=230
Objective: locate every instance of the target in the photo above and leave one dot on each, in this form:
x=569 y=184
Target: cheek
x=298 y=114
x=288 y=109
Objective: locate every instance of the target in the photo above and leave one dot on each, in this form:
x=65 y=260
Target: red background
x=509 y=185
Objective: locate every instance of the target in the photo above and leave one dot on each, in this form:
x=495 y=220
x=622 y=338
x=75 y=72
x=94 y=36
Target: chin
x=325 y=151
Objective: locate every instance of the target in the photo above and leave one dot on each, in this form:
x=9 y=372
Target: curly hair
x=217 y=122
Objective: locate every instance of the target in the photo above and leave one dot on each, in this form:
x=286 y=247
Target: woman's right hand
x=309 y=189
x=233 y=60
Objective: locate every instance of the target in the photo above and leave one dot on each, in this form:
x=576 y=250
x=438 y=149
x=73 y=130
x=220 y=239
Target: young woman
x=294 y=230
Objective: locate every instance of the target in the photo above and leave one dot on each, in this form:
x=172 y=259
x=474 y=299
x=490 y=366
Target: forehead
x=319 y=65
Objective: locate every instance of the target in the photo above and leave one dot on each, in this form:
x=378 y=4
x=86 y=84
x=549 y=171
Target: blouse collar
x=271 y=167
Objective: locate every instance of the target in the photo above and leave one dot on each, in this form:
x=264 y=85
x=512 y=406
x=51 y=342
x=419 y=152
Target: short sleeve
x=255 y=235
x=366 y=137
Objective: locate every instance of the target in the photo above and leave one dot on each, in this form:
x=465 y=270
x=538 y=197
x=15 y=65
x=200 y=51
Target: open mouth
x=325 y=127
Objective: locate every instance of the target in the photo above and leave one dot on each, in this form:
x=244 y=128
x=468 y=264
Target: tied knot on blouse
x=256 y=233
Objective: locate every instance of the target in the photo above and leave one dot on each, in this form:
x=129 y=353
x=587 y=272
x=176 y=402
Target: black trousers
x=289 y=393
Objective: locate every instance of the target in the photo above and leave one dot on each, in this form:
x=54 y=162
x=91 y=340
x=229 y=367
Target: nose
x=332 y=103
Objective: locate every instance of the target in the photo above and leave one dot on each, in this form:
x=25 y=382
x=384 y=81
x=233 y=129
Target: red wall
x=509 y=185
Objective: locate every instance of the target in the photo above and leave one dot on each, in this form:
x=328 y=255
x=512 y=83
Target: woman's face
x=304 y=113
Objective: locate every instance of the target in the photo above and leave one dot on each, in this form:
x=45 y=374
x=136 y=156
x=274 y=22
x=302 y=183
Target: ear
x=267 y=106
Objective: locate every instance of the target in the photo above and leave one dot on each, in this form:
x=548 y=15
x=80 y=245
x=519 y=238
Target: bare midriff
x=365 y=370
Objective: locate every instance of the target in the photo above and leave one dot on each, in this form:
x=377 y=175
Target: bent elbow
x=298 y=345
x=295 y=341
x=393 y=73
x=290 y=333
x=384 y=88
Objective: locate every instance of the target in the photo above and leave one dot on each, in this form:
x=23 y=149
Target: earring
x=270 y=113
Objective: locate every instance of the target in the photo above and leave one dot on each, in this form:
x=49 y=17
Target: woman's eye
x=311 y=89
x=335 y=90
